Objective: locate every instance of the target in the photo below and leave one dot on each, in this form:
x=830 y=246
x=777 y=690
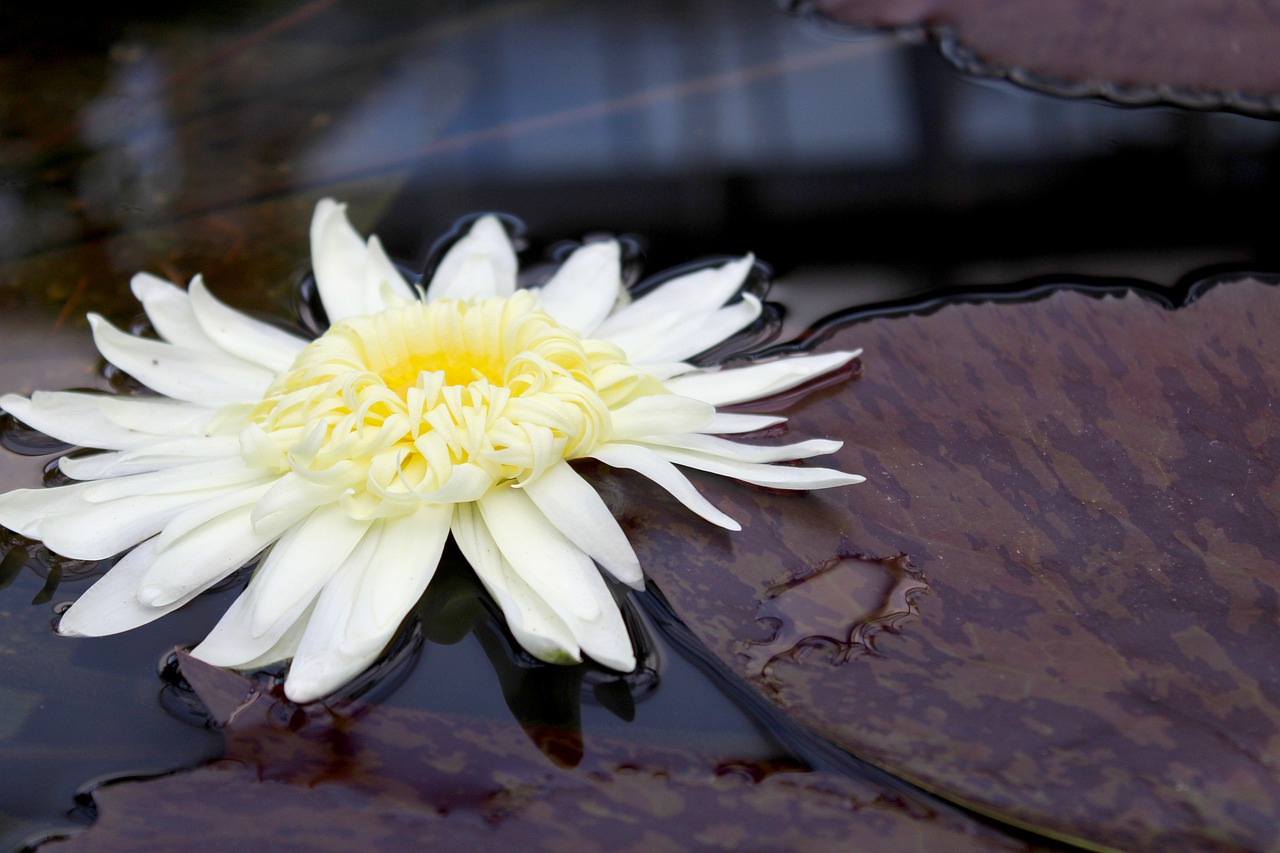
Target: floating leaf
x=1195 y=54
x=1057 y=598
x=382 y=777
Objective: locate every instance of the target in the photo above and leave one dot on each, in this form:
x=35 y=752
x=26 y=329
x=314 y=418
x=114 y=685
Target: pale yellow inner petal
x=440 y=401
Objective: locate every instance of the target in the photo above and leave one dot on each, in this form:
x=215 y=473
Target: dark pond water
x=78 y=713
x=861 y=168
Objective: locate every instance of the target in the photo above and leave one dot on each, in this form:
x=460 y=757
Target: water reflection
x=135 y=160
x=18 y=553
x=719 y=124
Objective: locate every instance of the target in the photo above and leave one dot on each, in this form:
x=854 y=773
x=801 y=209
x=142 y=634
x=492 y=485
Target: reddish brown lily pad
x=1193 y=52
x=387 y=778
x=1089 y=488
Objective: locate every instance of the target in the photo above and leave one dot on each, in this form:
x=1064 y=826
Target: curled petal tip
x=9 y=401
x=488 y=222
x=317 y=677
x=150 y=595
x=326 y=207
x=302 y=687
x=66 y=626
x=621 y=663
x=559 y=657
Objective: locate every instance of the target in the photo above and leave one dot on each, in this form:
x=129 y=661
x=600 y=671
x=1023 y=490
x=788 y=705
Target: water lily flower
x=353 y=457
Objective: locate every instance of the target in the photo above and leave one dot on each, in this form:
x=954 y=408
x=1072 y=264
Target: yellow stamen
x=440 y=401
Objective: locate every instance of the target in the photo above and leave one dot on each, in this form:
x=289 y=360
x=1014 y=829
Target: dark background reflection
x=853 y=162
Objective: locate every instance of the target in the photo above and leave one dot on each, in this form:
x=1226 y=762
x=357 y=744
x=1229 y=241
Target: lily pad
x=382 y=777
x=1186 y=52
x=1057 y=598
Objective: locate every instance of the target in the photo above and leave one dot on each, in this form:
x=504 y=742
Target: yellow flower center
x=440 y=401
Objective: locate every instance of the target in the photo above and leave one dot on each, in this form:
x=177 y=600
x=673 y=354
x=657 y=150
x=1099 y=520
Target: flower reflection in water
x=544 y=699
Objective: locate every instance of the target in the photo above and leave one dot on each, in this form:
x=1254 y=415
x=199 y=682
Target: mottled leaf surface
x=387 y=778
x=1055 y=599
x=1197 y=52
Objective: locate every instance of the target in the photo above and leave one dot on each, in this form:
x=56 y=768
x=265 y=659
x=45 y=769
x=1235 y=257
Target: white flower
x=353 y=457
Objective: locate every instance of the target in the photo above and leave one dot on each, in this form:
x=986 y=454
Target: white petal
x=403 y=564
x=467 y=482
x=773 y=476
x=659 y=470
x=72 y=417
x=225 y=470
x=727 y=423
x=338 y=258
x=360 y=609
x=553 y=566
x=710 y=445
x=103 y=524
x=664 y=370
x=391 y=295
x=21 y=510
x=475 y=279
x=98 y=530
x=585 y=288
x=576 y=510
x=202 y=513
x=169 y=311
x=110 y=606
x=85 y=522
x=157 y=415
x=201 y=557
x=743 y=384
x=660 y=414
x=692 y=334
x=290 y=492
x=186 y=374
x=142 y=460
x=285 y=646
x=241 y=335
x=383 y=279
x=483 y=263
x=314 y=552
x=283 y=588
x=532 y=621
x=695 y=293
x=559 y=573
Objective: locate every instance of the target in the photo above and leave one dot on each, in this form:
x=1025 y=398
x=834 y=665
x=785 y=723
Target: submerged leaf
x=1089 y=489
